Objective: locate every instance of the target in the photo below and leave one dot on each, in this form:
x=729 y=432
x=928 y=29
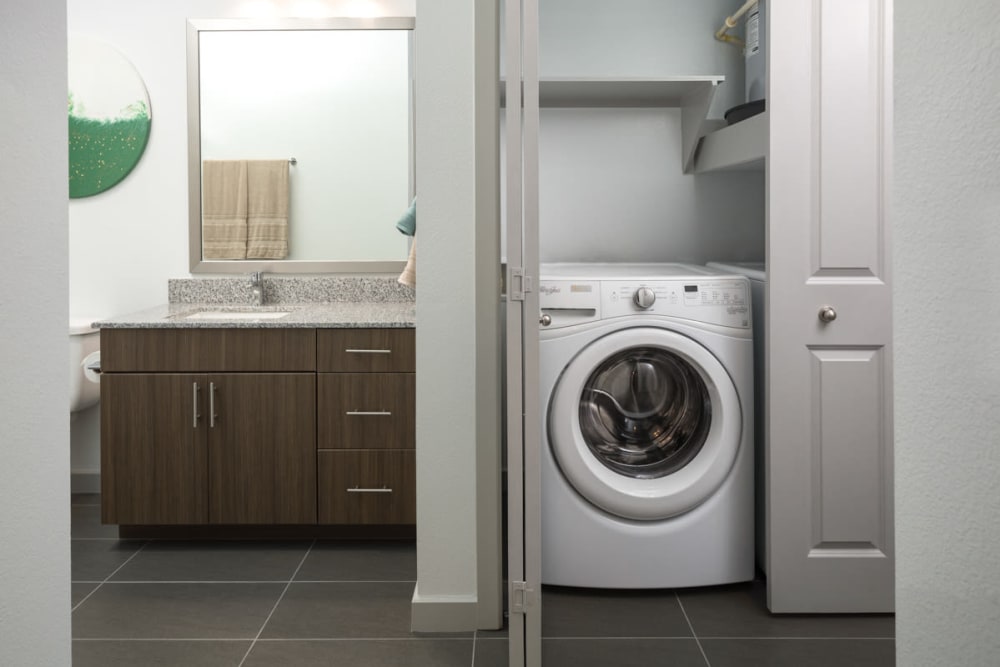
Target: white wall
x=34 y=396
x=126 y=242
x=611 y=189
x=947 y=313
x=446 y=594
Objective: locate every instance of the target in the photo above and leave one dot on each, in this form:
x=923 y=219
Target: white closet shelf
x=693 y=94
x=738 y=147
x=620 y=91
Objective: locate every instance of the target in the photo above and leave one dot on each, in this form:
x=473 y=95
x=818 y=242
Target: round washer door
x=645 y=423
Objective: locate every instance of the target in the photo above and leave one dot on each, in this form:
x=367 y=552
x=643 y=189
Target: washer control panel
x=723 y=301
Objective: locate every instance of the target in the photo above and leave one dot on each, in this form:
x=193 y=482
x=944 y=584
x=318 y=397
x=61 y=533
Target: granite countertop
x=357 y=315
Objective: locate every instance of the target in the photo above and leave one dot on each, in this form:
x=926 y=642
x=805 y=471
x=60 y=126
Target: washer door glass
x=645 y=412
x=644 y=423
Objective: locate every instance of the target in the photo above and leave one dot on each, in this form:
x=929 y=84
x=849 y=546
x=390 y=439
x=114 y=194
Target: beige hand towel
x=267 y=209
x=409 y=275
x=224 y=209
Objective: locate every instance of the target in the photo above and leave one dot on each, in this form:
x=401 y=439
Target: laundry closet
x=635 y=164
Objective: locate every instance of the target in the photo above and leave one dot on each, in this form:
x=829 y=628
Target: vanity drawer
x=366 y=350
x=367 y=487
x=199 y=350
x=366 y=410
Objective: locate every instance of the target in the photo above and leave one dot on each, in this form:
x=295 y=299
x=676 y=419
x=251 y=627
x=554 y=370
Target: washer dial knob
x=644 y=298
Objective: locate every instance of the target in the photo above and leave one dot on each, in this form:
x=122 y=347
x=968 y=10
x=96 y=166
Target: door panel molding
x=848 y=448
x=850 y=159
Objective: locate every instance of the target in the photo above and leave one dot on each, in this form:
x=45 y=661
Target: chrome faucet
x=257 y=287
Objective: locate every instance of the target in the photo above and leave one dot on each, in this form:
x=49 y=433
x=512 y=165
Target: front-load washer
x=646 y=379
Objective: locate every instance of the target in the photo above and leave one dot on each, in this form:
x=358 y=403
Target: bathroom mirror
x=332 y=98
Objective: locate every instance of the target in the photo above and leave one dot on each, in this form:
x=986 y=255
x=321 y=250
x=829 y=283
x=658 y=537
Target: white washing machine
x=646 y=377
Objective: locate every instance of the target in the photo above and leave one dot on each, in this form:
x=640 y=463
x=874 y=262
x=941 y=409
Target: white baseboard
x=443 y=613
x=85 y=482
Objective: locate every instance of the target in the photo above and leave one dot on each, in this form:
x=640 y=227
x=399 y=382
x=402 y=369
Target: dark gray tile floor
x=254 y=604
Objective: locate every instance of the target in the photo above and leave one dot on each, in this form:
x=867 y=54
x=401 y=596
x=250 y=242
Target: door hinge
x=521 y=597
x=518 y=284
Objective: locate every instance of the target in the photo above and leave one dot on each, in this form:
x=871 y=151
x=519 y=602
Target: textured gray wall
x=946 y=227
x=34 y=394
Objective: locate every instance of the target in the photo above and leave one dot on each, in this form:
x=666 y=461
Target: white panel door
x=829 y=382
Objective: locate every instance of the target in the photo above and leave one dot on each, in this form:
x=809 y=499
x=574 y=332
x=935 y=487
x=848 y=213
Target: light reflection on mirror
x=338 y=101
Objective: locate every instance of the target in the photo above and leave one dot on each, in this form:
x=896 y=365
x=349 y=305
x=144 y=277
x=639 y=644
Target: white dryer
x=757 y=274
x=647 y=386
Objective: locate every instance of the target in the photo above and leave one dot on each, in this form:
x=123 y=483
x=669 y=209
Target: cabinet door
x=367 y=487
x=829 y=380
x=366 y=410
x=262 y=448
x=153 y=449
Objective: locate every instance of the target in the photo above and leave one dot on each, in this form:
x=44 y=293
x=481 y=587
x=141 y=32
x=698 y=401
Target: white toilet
x=84 y=350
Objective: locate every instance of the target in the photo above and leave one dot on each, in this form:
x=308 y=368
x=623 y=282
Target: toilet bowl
x=84 y=351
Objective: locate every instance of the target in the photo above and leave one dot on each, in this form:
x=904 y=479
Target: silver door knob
x=827 y=314
x=545 y=320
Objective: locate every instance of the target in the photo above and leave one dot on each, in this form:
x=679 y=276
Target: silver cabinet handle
x=360 y=490
x=211 y=405
x=827 y=314
x=194 y=407
x=361 y=413
x=351 y=351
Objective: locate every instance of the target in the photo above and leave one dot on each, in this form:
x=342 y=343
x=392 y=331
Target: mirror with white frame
x=331 y=96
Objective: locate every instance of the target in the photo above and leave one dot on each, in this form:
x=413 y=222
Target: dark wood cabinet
x=261 y=452
x=367 y=422
x=365 y=351
x=367 y=410
x=231 y=444
x=367 y=487
x=236 y=427
x=154 y=453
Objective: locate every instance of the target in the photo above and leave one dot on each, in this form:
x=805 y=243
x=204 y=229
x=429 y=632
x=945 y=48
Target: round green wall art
x=109 y=117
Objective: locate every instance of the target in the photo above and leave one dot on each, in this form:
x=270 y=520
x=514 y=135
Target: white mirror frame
x=196 y=26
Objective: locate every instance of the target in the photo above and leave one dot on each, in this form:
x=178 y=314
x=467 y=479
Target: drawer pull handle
x=211 y=405
x=361 y=413
x=350 y=351
x=194 y=409
x=360 y=490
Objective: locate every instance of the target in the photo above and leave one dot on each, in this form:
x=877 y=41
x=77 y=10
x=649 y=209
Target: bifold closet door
x=829 y=382
x=524 y=437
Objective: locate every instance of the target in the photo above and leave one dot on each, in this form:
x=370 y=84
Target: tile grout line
x=275 y=640
x=693 y=633
x=105 y=539
x=143 y=582
x=602 y=638
x=277 y=602
x=106 y=579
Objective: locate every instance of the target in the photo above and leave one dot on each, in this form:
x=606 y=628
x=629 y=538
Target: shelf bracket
x=694 y=123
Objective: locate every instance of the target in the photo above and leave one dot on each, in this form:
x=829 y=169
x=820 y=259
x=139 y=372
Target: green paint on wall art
x=103 y=152
x=109 y=117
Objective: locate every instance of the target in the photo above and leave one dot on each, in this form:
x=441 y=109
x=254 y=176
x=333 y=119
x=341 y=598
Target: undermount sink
x=237 y=315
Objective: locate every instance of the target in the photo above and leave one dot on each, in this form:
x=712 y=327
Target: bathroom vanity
x=287 y=415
